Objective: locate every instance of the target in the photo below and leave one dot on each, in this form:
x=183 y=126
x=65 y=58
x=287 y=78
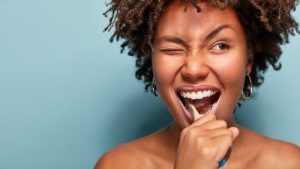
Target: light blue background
x=67 y=95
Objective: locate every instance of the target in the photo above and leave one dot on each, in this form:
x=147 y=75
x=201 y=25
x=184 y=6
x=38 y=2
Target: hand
x=204 y=143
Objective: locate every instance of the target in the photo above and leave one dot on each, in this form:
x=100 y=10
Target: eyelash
x=222 y=45
x=172 y=51
x=225 y=46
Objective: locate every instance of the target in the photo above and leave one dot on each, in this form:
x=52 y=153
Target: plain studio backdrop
x=67 y=95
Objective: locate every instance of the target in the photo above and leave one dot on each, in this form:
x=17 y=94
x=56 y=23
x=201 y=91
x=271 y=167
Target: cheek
x=165 y=69
x=231 y=72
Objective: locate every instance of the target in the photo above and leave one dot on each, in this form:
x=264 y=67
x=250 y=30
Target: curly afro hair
x=267 y=23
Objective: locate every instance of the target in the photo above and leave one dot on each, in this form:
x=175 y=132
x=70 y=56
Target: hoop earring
x=247 y=93
x=154 y=88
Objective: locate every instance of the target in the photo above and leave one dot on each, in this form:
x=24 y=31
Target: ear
x=249 y=65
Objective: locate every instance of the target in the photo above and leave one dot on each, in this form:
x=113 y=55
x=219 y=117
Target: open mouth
x=203 y=101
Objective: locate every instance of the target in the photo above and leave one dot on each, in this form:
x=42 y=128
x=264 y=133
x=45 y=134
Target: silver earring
x=154 y=88
x=248 y=92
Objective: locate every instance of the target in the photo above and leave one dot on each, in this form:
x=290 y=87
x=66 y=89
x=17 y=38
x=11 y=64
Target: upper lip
x=196 y=88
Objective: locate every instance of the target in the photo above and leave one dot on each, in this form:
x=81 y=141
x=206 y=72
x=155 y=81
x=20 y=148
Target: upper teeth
x=198 y=95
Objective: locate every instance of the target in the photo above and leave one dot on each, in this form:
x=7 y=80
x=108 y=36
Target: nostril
x=194 y=73
x=195 y=68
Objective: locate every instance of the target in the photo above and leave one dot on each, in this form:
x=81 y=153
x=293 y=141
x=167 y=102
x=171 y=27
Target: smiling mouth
x=203 y=101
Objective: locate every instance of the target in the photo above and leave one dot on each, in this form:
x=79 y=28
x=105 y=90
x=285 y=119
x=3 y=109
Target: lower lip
x=189 y=116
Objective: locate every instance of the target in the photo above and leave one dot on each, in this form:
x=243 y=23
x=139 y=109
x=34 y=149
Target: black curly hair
x=267 y=23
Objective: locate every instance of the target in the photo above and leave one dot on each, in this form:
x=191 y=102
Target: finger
x=224 y=143
x=235 y=132
x=205 y=118
x=214 y=124
x=220 y=132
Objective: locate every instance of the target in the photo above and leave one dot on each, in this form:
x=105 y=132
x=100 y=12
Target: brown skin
x=221 y=62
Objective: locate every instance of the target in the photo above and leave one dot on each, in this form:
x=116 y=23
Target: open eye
x=219 y=47
x=172 y=51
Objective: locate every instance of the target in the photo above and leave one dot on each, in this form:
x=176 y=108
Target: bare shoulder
x=279 y=154
x=268 y=153
x=142 y=153
x=285 y=155
x=117 y=157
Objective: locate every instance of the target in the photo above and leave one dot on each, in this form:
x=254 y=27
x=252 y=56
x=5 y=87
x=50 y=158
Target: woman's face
x=200 y=58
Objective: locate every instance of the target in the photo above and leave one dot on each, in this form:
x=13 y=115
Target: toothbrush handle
x=222 y=163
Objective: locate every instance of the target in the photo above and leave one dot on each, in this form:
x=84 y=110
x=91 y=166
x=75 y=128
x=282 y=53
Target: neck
x=175 y=131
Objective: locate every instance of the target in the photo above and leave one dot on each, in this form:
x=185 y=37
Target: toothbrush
x=196 y=116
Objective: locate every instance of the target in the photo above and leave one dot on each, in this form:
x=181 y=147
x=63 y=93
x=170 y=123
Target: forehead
x=183 y=19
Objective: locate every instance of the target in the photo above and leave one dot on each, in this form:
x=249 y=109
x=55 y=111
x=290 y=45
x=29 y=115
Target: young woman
x=202 y=58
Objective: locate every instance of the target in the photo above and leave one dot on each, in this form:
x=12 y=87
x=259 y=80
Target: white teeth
x=194 y=94
x=198 y=95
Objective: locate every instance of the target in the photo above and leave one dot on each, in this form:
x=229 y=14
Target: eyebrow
x=178 y=40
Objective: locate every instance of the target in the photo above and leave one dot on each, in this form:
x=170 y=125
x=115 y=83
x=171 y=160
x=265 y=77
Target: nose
x=195 y=68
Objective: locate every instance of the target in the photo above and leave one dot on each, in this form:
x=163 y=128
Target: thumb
x=235 y=132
